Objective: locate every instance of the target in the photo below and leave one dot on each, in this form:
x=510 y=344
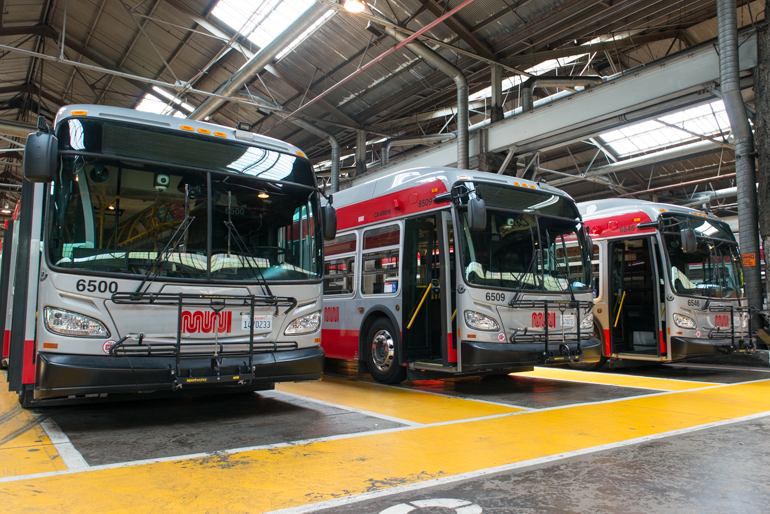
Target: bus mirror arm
x=443 y=197
x=648 y=224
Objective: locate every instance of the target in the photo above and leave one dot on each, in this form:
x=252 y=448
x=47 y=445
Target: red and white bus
x=154 y=253
x=440 y=272
x=668 y=282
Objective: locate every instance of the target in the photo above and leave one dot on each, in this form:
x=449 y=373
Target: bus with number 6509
x=441 y=272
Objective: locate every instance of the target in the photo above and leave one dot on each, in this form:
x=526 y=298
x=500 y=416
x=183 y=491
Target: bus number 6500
x=93 y=286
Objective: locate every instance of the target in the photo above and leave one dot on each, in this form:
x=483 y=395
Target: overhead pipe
x=706 y=196
x=528 y=86
x=258 y=62
x=411 y=140
x=441 y=64
x=360 y=151
x=745 y=173
x=336 y=150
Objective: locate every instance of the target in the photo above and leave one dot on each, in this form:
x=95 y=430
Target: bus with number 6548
x=668 y=283
x=442 y=272
x=153 y=253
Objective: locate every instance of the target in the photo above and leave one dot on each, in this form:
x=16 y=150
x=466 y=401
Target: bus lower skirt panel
x=690 y=347
x=477 y=356
x=61 y=375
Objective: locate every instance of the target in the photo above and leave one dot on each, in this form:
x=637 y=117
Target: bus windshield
x=533 y=241
x=118 y=215
x=714 y=269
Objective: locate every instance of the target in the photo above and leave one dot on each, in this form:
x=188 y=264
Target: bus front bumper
x=690 y=347
x=62 y=375
x=477 y=356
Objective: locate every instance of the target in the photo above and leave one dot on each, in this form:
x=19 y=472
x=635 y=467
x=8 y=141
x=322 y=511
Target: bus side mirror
x=689 y=245
x=477 y=214
x=329 y=220
x=40 y=157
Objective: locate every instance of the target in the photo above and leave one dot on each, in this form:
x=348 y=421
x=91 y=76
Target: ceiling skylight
x=261 y=21
x=707 y=120
x=151 y=103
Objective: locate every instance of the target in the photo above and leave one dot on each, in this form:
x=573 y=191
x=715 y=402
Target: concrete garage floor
x=653 y=439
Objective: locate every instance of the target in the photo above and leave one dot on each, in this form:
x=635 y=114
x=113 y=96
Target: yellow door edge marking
x=338 y=502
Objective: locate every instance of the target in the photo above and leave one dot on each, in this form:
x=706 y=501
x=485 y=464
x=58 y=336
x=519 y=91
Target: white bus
x=440 y=272
x=668 y=282
x=155 y=253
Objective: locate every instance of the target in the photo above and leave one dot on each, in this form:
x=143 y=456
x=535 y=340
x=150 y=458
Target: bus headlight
x=588 y=322
x=67 y=323
x=478 y=321
x=304 y=325
x=683 y=321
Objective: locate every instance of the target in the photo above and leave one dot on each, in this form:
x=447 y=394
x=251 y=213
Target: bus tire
x=383 y=353
x=592 y=366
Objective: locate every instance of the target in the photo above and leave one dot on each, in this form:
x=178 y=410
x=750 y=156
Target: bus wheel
x=592 y=366
x=383 y=353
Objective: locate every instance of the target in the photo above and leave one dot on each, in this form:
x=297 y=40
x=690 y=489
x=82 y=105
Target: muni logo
x=203 y=322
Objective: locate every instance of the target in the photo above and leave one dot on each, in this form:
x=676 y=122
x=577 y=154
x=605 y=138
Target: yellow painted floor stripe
x=24 y=447
x=592 y=377
x=414 y=406
x=264 y=480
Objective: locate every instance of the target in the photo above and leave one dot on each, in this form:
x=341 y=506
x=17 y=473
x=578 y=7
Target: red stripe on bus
x=452 y=352
x=622 y=224
x=340 y=344
x=663 y=349
x=6 y=343
x=401 y=203
x=606 y=343
x=28 y=370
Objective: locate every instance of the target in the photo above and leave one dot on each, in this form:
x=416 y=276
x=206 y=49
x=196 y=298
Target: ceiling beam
x=531 y=59
x=460 y=29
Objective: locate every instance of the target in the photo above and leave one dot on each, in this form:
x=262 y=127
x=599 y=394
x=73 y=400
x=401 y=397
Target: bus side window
x=339 y=276
x=595 y=271
x=380 y=260
x=339 y=271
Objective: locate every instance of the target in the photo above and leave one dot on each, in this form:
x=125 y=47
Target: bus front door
x=634 y=320
x=424 y=273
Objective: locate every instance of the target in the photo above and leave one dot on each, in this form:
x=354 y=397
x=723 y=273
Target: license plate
x=261 y=324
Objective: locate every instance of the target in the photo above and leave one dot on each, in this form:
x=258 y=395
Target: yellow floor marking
x=24 y=447
x=264 y=480
x=398 y=403
x=662 y=384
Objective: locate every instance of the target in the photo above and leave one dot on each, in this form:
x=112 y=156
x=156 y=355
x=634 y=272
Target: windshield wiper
x=535 y=253
x=172 y=244
x=242 y=247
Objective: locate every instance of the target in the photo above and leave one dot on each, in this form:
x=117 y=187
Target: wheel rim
x=383 y=350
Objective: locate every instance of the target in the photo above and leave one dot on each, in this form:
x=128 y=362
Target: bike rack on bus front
x=742 y=345
x=140 y=345
x=566 y=355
